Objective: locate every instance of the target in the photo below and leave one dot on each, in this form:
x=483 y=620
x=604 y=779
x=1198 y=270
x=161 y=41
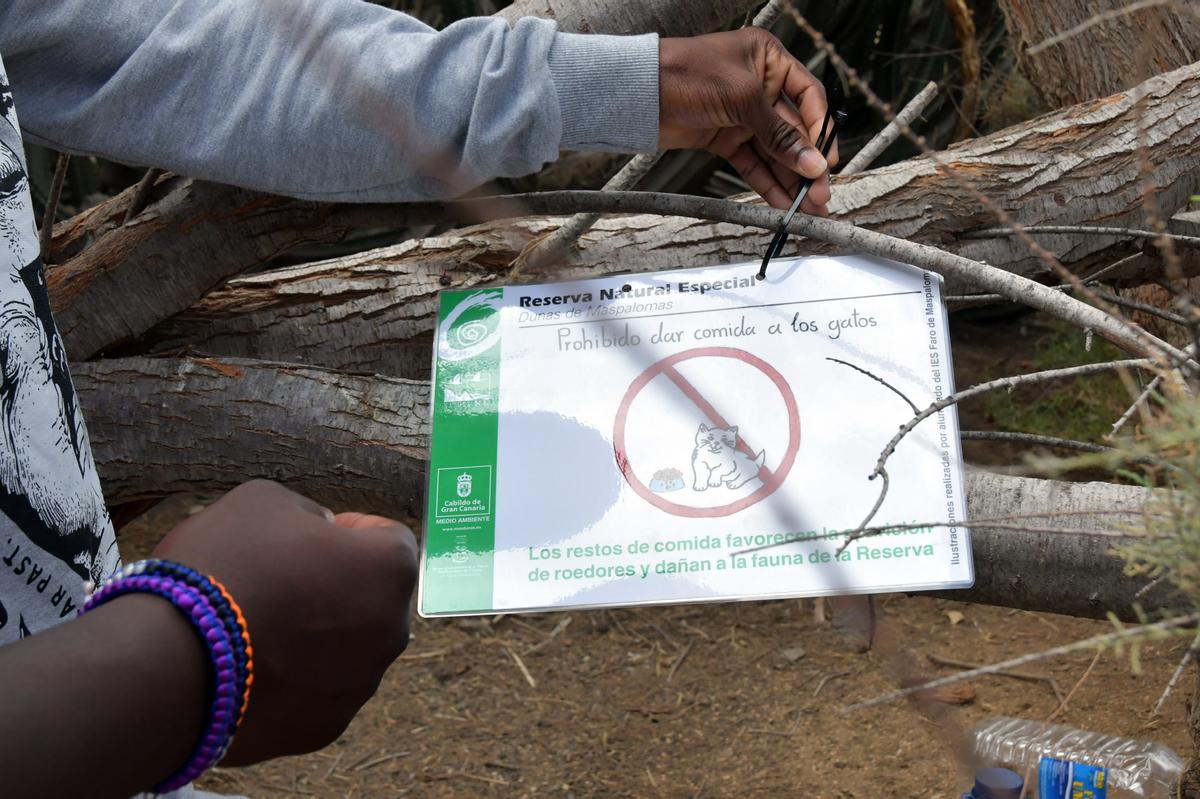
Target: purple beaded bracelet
x=221 y=720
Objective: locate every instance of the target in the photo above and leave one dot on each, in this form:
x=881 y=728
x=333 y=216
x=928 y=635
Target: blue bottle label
x=1066 y=779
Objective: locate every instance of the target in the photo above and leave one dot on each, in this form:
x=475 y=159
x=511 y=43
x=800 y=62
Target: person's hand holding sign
x=729 y=93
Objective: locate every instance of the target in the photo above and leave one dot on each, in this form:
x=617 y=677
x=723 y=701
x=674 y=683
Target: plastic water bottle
x=1065 y=762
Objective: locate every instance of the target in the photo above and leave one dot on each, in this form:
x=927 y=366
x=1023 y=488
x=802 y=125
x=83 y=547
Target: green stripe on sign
x=460 y=527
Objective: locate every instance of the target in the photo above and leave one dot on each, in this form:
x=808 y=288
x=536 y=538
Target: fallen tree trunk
x=373 y=311
x=1071 y=574
x=1077 y=50
x=118 y=281
x=164 y=426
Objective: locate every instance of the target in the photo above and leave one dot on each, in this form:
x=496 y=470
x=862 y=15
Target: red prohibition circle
x=770 y=482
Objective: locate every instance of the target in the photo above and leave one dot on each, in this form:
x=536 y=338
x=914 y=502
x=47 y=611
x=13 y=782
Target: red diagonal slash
x=708 y=410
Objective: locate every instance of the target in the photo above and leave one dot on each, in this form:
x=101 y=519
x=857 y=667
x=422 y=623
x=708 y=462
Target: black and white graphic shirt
x=55 y=533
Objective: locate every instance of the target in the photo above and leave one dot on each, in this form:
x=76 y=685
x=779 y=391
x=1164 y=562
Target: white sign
x=691 y=435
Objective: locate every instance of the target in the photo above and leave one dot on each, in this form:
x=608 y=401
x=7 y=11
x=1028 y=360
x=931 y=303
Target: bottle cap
x=997 y=783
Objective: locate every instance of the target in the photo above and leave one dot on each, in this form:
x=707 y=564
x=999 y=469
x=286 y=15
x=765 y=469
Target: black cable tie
x=824 y=144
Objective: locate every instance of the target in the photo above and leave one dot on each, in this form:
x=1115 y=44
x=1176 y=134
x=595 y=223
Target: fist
x=742 y=96
x=327 y=600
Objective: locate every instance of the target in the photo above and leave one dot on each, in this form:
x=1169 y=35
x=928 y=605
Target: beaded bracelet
x=222 y=629
x=222 y=602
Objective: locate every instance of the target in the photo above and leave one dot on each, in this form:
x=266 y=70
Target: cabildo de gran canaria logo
x=472 y=328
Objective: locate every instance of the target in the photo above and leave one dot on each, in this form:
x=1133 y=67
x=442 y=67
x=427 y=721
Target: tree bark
x=1107 y=57
x=164 y=426
x=1071 y=574
x=184 y=245
x=374 y=311
x=121 y=280
x=169 y=426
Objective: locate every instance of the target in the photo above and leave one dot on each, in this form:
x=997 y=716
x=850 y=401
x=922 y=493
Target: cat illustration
x=716 y=460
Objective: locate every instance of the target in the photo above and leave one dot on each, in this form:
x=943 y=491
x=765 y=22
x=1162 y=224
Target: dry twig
x=521 y=665
x=1192 y=653
x=1003 y=382
x=884 y=138
x=843 y=234
x=142 y=193
x=46 y=235
x=1016 y=675
x=1030 y=438
x=679 y=660
x=1064 y=701
x=1092 y=230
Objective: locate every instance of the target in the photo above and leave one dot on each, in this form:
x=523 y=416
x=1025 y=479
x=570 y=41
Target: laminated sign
x=689 y=436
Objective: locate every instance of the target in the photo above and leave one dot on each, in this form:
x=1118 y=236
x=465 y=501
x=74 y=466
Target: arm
x=103 y=706
x=322 y=99
x=113 y=702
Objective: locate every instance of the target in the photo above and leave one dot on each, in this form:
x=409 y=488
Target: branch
x=959 y=396
x=46 y=234
x=1030 y=438
x=1087 y=230
x=1189 y=655
x=1003 y=382
x=141 y=193
x=768 y=15
x=884 y=139
x=832 y=231
x=1137 y=404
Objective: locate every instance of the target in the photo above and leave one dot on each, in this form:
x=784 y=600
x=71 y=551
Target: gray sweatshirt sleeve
x=322 y=99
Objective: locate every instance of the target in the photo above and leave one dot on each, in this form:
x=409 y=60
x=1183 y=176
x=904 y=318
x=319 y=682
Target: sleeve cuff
x=607 y=91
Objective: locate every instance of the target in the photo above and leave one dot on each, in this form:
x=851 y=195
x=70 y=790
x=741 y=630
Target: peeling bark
x=163 y=426
x=374 y=311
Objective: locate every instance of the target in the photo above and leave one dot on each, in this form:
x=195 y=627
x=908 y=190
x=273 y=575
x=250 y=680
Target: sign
x=694 y=435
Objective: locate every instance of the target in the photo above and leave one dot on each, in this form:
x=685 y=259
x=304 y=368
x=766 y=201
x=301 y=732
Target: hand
x=728 y=93
x=327 y=600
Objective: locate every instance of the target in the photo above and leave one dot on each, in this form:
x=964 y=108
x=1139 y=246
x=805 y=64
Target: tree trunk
x=121 y=280
x=167 y=426
x=1070 y=574
x=1107 y=57
x=189 y=242
x=374 y=311
x=164 y=426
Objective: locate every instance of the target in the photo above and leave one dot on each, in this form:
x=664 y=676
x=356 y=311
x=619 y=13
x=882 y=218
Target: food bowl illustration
x=665 y=480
